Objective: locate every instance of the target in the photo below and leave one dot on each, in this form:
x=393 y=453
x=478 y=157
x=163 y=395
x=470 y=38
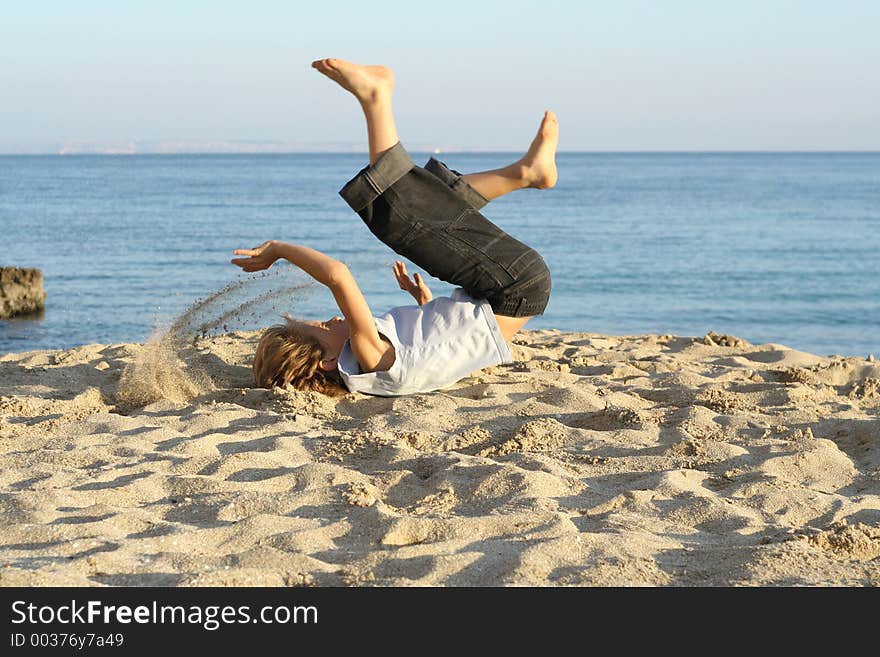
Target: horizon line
x=436 y=151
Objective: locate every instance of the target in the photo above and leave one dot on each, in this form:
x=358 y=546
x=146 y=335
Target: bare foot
x=539 y=163
x=369 y=84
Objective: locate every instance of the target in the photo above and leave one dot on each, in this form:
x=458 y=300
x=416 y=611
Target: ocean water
x=770 y=247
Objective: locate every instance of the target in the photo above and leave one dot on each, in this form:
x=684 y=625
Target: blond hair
x=286 y=356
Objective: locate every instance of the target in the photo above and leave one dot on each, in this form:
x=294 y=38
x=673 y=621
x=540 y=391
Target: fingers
x=243 y=264
x=417 y=288
x=402 y=277
x=424 y=290
x=257 y=258
x=421 y=283
x=249 y=264
x=257 y=250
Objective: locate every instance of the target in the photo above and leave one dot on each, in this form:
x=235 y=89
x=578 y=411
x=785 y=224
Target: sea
x=770 y=247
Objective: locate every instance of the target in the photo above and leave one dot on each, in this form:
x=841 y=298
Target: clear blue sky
x=622 y=75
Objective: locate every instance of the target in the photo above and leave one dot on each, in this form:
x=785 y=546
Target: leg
x=425 y=219
x=372 y=86
x=537 y=168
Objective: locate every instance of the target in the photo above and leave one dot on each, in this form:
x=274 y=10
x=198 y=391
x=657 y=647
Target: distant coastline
x=256 y=147
x=436 y=151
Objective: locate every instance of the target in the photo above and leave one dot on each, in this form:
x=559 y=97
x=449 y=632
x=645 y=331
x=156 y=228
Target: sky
x=135 y=76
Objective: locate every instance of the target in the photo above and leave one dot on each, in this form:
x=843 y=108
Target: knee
x=539 y=272
x=530 y=292
x=545 y=269
x=544 y=285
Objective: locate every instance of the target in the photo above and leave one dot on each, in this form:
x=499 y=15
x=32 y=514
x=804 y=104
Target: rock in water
x=21 y=291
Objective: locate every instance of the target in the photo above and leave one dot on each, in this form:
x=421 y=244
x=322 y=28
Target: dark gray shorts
x=431 y=217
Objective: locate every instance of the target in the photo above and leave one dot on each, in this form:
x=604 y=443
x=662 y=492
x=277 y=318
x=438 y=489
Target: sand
x=591 y=461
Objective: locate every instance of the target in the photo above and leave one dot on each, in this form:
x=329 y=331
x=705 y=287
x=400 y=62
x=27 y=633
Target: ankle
x=522 y=173
x=375 y=100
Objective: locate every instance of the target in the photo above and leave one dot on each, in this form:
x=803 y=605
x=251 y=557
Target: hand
x=416 y=288
x=259 y=258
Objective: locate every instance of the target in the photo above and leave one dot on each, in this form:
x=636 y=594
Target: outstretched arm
x=316 y=264
x=368 y=347
x=417 y=288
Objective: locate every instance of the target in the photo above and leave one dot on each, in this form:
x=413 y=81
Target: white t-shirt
x=436 y=345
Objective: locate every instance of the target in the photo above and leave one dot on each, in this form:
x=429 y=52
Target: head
x=303 y=354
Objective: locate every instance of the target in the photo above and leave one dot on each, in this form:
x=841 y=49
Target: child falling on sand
x=431 y=216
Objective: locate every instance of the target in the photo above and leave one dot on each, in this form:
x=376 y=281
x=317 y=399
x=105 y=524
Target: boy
x=431 y=216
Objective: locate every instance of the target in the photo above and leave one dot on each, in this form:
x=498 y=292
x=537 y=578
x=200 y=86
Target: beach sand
x=592 y=460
